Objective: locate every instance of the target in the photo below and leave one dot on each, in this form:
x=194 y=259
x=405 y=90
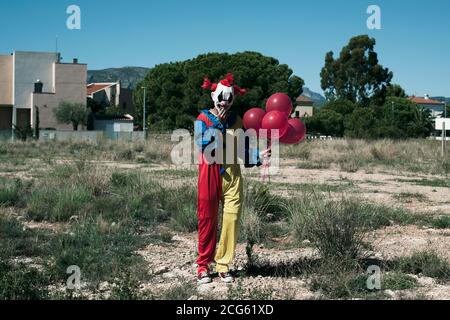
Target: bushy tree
x=407 y=118
x=175 y=97
x=395 y=90
x=329 y=120
x=326 y=122
x=356 y=75
x=344 y=107
x=362 y=123
x=71 y=113
x=398 y=118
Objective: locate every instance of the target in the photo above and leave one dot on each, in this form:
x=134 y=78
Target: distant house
x=31 y=81
x=304 y=107
x=436 y=107
x=111 y=94
x=113 y=125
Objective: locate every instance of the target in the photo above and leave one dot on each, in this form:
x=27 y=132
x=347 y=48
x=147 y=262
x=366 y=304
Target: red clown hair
x=228 y=82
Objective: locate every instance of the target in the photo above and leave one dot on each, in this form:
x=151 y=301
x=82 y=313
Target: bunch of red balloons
x=276 y=117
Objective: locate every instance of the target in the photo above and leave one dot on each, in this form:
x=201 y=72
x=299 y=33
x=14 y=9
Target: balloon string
x=266 y=165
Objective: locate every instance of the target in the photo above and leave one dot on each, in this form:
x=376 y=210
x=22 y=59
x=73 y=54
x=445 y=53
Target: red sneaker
x=204 y=277
x=226 y=277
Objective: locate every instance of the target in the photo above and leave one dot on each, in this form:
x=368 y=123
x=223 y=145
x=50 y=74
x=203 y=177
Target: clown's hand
x=222 y=114
x=266 y=154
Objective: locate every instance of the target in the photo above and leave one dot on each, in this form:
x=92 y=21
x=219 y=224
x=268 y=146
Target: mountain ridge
x=129 y=76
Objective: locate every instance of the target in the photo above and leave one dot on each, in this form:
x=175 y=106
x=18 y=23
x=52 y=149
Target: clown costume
x=219 y=180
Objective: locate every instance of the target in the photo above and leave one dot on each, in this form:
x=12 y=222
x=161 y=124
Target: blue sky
x=413 y=42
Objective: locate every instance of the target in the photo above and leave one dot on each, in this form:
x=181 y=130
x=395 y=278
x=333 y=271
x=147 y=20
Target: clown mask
x=223 y=97
x=224 y=92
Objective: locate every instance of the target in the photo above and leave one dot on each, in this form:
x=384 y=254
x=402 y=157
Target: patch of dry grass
x=351 y=155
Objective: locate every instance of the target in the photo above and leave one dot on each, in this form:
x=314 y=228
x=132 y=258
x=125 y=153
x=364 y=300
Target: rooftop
x=304 y=99
x=95 y=87
x=425 y=101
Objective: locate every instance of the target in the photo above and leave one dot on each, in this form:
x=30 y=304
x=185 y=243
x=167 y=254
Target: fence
x=90 y=136
x=311 y=137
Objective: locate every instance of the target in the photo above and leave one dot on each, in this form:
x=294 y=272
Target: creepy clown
x=220 y=181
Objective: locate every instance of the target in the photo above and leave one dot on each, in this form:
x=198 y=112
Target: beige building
x=31 y=80
x=304 y=107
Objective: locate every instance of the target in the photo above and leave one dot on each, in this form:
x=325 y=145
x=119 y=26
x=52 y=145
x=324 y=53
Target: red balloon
x=253 y=118
x=275 y=120
x=279 y=102
x=295 y=133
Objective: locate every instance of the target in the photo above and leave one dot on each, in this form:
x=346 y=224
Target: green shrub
x=310 y=165
x=143 y=201
x=239 y=292
x=182 y=206
x=258 y=197
x=62 y=172
x=427 y=263
x=182 y=291
x=124 y=179
x=101 y=250
x=409 y=196
x=442 y=222
x=372 y=216
x=397 y=281
x=338 y=278
x=335 y=227
x=59 y=204
x=252 y=232
x=379 y=216
x=260 y=209
x=126 y=288
x=10 y=193
x=16 y=241
x=124 y=154
x=345 y=284
x=300 y=151
x=22 y=283
x=350 y=164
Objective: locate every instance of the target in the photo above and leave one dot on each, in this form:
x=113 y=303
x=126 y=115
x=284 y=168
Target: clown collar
x=231 y=120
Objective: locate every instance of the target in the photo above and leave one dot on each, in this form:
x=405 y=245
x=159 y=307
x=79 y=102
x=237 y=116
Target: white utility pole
x=143 y=119
x=444 y=132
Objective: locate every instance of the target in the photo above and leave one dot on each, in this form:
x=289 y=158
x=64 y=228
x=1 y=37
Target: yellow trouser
x=232 y=204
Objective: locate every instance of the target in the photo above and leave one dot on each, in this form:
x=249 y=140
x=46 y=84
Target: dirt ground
x=176 y=261
x=173 y=263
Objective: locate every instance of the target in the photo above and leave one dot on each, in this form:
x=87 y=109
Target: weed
x=10 y=192
x=21 y=282
x=427 y=263
x=442 y=222
x=409 y=196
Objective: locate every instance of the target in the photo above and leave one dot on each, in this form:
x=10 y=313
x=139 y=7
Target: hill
x=318 y=99
x=129 y=76
x=442 y=99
